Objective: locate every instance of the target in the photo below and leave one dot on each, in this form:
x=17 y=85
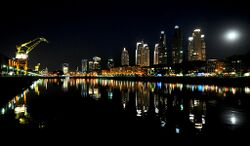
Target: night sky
x=77 y=30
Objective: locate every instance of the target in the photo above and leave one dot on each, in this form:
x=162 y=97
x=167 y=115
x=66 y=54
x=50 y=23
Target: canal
x=172 y=111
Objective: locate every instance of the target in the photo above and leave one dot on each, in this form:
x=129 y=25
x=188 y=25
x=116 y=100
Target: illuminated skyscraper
x=142 y=54
x=110 y=63
x=91 y=66
x=161 y=50
x=125 y=57
x=177 y=51
x=197 y=46
x=97 y=63
x=156 y=54
x=84 y=65
x=65 y=68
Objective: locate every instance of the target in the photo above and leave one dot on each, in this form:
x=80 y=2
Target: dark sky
x=84 y=29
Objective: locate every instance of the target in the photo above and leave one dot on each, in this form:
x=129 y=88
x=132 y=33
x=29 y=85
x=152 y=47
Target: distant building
x=215 y=66
x=65 y=68
x=84 y=65
x=97 y=63
x=161 y=50
x=177 y=50
x=125 y=57
x=111 y=63
x=197 y=46
x=91 y=66
x=142 y=54
x=156 y=55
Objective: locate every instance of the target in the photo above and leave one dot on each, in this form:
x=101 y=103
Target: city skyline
x=76 y=32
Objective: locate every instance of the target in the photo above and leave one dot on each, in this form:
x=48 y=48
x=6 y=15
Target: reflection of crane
x=23 y=51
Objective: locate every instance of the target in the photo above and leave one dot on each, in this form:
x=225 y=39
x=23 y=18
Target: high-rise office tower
x=156 y=54
x=142 y=54
x=91 y=66
x=97 y=63
x=161 y=48
x=177 y=51
x=125 y=57
x=84 y=65
x=110 y=63
x=65 y=68
x=197 y=46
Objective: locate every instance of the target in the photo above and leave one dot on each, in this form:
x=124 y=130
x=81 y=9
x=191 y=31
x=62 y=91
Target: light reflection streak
x=18 y=104
x=142 y=90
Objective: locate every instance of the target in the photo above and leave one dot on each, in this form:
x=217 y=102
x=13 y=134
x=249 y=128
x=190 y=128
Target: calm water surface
x=183 y=111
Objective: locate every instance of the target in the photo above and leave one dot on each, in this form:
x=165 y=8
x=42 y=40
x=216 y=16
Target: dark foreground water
x=176 y=112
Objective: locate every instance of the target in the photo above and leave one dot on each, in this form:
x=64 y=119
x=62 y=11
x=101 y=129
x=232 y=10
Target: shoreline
x=229 y=81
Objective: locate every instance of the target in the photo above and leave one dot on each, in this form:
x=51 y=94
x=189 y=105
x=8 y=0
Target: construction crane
x=37 y=67
x=23 y=51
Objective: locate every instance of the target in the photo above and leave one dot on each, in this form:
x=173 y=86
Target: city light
x=190 y=38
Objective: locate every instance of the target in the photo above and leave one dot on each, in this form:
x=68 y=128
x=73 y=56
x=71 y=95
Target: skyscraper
x=91 y=66
x=142 y=54
x=161 y=48
x=65 y=68
x=177 y=51
x=125 y=57
x=196 y=46
x=156 y=54
x=84 y=65
x=146 y=56
x=110 y=63
x=97 y=63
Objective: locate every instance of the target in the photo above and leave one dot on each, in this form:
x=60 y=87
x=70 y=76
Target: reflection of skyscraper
x=161 y=50
x=125 y=97
x=110 y=94
x=156 y=103
x=142 y=54
x=125 y=57
x=94 y=91
x=142 y=97
x=197 y=113
x=177 y=51
x=84 y=88
x=65 y=84
x=196 y=46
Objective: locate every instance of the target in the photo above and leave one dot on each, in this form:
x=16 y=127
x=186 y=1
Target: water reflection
x=197 y=113
x=233 y=117
x=174 y=106
x=142 y=99
x=121 y=85
x=19 y=103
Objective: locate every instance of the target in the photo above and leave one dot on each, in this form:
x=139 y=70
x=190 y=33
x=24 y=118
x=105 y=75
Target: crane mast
x=23 y=50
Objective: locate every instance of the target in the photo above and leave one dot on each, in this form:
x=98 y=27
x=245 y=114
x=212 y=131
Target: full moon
x=232 y=35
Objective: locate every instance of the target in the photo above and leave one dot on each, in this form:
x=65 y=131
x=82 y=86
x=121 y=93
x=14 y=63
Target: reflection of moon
x=232 y=35
x=233 y=119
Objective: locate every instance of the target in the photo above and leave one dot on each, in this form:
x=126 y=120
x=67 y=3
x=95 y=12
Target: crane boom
x=30 y=45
